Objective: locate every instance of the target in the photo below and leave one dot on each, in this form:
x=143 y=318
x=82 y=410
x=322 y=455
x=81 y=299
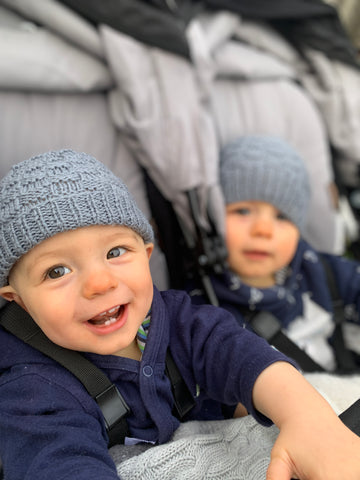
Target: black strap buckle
x=113 y=406
x=183 y=399
x=265 y=324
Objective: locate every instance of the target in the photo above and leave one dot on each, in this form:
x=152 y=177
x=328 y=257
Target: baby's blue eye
x=57 y=272
x=243 y=211
x=116 y=252
x=282 y=216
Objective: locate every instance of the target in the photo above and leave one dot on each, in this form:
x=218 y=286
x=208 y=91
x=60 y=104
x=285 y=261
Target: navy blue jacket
x=51 y=428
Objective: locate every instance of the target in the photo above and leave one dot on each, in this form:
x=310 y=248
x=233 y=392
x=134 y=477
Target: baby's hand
x=325 y=450
x=313 y=443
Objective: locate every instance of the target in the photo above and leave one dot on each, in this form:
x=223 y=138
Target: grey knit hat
x=59 y=191
x=268 y=169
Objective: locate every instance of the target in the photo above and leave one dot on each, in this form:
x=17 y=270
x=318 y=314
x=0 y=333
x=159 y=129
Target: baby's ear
x=9 y=294
x=149 y=247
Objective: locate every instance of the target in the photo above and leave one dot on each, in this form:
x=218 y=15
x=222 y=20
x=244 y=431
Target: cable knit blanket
x=221 y=450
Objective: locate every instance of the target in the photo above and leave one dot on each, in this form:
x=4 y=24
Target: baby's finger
x=279 y=470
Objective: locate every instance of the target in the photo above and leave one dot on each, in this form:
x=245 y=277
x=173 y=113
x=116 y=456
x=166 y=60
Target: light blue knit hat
x=59 y=191
x=268 y=169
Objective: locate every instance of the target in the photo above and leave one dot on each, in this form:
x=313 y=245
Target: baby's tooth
x=110 y=321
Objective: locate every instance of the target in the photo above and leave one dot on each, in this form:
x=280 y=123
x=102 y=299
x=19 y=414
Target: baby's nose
x=99 y=282
x=263 y=226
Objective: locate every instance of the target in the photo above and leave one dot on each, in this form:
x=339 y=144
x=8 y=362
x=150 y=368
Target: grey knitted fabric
x=268 y=169
x=217 y=450
x=59 y=191
x=236 y=449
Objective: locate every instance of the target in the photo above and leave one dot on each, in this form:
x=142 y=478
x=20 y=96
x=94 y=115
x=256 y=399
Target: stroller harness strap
x=113 y=406
x=344 y=356
x=267 y=326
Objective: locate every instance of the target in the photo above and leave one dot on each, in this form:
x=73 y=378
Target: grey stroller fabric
x=168 y=114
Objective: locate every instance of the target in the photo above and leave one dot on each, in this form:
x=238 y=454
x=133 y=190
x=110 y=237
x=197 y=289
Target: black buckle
x=266 y=325
x=113 y=406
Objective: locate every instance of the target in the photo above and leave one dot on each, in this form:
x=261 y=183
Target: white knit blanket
x=222 y=450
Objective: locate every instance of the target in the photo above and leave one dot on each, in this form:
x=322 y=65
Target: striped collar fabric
x=142 y=333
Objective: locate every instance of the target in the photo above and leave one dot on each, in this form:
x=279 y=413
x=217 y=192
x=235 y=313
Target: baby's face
x=88 y=289
x=260 y=241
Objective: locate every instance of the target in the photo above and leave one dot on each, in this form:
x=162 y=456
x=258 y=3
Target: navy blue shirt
x=50 y=426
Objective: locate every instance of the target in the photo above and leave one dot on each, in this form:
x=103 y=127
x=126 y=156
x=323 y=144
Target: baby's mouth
x=108 y=317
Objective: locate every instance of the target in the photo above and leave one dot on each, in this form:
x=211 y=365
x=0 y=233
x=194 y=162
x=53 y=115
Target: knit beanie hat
x=267 y=169
x=59 y=191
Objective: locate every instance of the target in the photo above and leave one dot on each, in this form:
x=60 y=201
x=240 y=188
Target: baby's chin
x=265 y=281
